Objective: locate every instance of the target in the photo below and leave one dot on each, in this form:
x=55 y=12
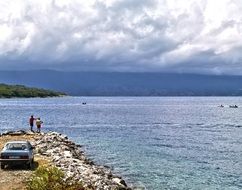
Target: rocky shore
x=70 y=158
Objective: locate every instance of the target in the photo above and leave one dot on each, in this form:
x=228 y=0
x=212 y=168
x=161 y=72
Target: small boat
x=233 y=106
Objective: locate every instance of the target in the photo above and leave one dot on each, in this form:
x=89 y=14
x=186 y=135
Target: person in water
x=38 y=124
x=31 y=122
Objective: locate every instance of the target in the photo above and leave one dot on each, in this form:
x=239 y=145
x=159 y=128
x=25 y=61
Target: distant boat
x=84 y=103
x=221 y=106
x=233 y=106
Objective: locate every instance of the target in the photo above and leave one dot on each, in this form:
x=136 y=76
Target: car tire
x=2 y=166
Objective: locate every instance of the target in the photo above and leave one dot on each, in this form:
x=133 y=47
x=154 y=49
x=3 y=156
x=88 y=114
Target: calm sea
x=153 y=142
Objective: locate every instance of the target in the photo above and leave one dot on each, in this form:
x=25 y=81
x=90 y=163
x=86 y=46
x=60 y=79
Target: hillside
x=20 y=91
x=127 y=84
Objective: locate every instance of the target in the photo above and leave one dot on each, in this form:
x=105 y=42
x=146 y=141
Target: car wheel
x=2 y=166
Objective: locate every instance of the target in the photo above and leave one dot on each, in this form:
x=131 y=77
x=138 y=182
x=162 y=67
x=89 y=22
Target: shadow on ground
x=21 y=167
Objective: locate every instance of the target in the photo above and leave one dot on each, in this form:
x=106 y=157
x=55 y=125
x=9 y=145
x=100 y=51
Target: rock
x=14 y=133
x=67 y=154
x=120 y=181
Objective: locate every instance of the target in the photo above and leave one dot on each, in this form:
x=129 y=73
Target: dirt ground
x=14 y=178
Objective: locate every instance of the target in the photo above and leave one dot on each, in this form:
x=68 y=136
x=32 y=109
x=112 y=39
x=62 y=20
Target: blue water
x=153 y=142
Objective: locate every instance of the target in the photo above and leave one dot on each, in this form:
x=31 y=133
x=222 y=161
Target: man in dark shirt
x=31 y=122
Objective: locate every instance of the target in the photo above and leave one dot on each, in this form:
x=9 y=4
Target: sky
x=184 y=36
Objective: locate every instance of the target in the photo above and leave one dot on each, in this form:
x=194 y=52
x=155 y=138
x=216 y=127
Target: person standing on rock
x=31 y=122
x=38 y=124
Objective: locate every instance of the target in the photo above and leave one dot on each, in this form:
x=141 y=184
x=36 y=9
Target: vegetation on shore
x=45 y=178
x=20 y=91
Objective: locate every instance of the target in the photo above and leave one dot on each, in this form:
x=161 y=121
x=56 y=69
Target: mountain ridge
x=127 y=84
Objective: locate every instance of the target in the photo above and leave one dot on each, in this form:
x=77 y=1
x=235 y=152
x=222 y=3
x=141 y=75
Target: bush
x=51 y=178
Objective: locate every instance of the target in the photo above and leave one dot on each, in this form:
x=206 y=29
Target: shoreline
x=18 y=97
x=71 y=159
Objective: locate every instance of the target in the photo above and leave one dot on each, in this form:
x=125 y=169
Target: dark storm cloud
x=122 y=35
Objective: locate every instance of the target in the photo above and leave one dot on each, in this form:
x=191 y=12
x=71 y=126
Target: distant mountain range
x=126 y=84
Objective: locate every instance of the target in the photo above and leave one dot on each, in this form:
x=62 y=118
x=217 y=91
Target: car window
x=16 y=146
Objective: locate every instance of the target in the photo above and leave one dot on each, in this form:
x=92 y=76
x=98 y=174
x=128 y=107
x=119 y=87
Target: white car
x=17 y=153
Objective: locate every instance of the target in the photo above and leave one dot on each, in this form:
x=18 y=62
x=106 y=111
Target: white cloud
x=122 y=35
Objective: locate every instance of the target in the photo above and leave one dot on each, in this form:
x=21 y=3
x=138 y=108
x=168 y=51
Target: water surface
x=154 y=142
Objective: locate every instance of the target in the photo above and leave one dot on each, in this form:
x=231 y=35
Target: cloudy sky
x=200 y=36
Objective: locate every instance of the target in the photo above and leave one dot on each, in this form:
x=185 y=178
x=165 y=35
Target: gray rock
x=14 y=133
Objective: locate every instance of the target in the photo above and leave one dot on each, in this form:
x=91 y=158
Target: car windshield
x=16 y=146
